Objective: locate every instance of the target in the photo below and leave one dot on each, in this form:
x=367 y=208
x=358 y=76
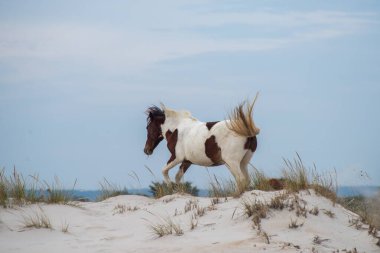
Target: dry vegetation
x=109 y=190
x=278 y=202
x=366 y=208
x=295 y=177
x=65 y=227
x=368 y=211
x=259 y=181
x=121 y=208
x=223 y=188
x=294 y=223
x=37 y=220
x=166 y=227
x=16 y=190
x=160 y=189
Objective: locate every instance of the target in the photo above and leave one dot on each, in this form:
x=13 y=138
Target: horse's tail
x=241 y=119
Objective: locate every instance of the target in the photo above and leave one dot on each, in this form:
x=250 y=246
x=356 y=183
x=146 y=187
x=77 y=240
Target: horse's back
x=207 y=146
x=193 y=144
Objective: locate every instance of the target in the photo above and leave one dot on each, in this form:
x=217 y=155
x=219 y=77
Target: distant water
x=92 y=195
x=343 y=191
x=367 y=191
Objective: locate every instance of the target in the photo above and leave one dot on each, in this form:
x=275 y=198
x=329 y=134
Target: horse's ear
x=163 y=107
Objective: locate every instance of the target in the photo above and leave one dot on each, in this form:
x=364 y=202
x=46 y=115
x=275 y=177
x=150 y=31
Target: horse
x=231 y=142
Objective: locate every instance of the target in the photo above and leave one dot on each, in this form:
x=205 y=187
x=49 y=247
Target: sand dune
x=124 y=224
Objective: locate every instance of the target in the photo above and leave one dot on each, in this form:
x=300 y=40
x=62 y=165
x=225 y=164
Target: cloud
x=148 y=37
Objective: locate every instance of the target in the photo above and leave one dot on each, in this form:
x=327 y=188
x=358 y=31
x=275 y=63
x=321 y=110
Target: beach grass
x=109 y=190
x=160 y=189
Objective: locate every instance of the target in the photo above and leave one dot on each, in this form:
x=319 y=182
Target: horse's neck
x=176 y=123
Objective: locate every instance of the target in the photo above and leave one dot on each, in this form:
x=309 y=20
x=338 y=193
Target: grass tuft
x=121 y=208
x=325 y=184
x=56 y=194
x=15 y=189
x=109 y=190
x=294 y=224
x=314 y=211
x=329 y=213
x=3 y=189
x=295 y=175
x=318 y=240
x=160 y=189
x=259 y=181
x=278 y=202
x=222 y=188
x=18 y=187
x=37 y=220
x=366 y=208
x=65 y=227
x=167 y=227
x=265 y=236
x=254 y=208
x=193 y=221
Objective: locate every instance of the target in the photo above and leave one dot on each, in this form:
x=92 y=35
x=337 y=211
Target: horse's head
x=156 y=117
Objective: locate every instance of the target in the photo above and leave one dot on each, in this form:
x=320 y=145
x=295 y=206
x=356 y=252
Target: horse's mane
x=154 y=111
x=179 y=114
x=241 y=119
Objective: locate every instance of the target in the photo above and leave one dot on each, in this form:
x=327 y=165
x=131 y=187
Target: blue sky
x=77 y=76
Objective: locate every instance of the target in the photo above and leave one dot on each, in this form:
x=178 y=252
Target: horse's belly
x=198 y=158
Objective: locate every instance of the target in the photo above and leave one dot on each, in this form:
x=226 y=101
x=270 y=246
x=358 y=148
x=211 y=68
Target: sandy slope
x=98 y=227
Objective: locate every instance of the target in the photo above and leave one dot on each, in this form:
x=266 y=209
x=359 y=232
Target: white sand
x=97 y=227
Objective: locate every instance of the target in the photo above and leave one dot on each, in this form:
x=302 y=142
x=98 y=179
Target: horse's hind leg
x=182 y=169
x=237 y=173
x=244 y=166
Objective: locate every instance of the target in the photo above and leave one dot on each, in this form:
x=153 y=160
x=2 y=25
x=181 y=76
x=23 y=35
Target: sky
x=77 y=76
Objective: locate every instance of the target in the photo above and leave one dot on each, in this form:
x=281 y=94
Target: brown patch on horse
x=184 y=166
x=251 y=143
x=213 y=151
x=276 y=184
x=209 y=125
x=171 y=138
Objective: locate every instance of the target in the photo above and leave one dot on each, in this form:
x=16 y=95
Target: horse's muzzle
x=148 y=151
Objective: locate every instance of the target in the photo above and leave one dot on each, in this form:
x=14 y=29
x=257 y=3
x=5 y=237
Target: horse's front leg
x=182 y=169
x=165 y=170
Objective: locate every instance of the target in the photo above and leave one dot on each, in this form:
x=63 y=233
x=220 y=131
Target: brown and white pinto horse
x=231 y=142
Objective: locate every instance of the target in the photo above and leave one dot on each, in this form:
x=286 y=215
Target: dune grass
x=254 y=208
x=297 y=177
x=259 y=181
x=3 y=189
x=278 y=202
x=15 y=189
x=294 y=224
x=56 y=194
x=109 y=190
x=12 y=187
x=366 y=207
x=166 y=227
x=160 y=189
x=219 y=188
x=65 y=227
x=38 y=219
x=325 y=184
